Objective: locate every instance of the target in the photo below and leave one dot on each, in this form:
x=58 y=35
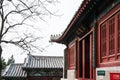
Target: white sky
x=54 y=25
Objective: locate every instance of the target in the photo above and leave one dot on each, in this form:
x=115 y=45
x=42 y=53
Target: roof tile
x=44 y=62
x=14 y=70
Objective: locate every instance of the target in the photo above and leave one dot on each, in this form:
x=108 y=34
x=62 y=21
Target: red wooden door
x=85 y=71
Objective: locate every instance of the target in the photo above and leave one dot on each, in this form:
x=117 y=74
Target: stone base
x=63 y=79
x=70 y=75
x=107 y=70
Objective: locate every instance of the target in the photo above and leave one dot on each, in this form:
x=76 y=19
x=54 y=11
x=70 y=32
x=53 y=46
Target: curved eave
x=62 y=39
x=89 y=11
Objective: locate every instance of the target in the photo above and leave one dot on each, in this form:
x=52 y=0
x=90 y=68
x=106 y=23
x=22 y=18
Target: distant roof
x=14 y=70
x=43 y=62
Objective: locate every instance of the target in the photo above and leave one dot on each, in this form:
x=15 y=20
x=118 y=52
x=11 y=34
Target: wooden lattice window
x=111 y=36
x=72 y=56
x=103 y=40
x=119 y=33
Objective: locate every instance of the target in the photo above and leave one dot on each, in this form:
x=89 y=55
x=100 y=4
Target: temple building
x=92 y=39
x=36 y=68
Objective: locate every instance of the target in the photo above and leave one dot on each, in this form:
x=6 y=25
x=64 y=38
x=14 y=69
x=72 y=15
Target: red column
x=91 y=69
x=77 y=59
x=83 y=53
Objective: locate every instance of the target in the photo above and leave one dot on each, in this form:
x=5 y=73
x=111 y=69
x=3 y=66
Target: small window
x=72 y=56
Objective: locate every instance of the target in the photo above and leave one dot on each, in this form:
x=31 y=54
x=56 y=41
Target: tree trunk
x=0 y=63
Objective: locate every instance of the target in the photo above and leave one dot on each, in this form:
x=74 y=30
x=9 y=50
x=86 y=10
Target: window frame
x=109 y=58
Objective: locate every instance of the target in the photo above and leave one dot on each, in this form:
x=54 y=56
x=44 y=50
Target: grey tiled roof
x=43 y=62
x=14 y=70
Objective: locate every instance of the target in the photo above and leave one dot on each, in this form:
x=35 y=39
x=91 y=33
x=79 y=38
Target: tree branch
x=17 y=24
x=24 y=43
x=27 y=12
x=26 y=6
x=2 y=22
x=13 y=11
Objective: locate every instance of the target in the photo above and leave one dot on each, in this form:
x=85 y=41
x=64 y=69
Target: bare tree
x=17 y=13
